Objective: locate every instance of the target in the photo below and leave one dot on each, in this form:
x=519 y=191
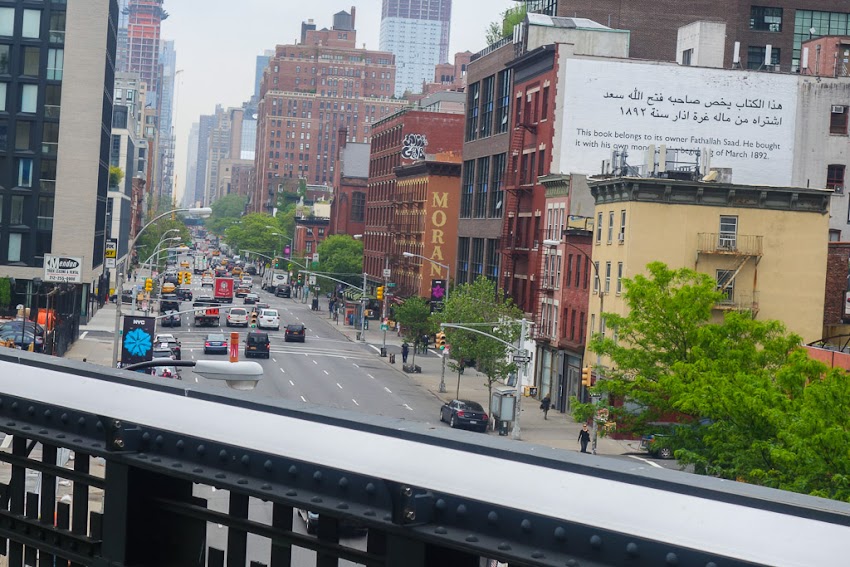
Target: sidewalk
x=96 y=349
x=559 y=431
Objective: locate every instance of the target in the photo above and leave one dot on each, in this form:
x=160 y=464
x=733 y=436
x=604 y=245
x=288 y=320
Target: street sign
x=312 y=279
x=388 y=272
x=111 y=252
x=521 y=359
x=390 y=284
x=384 y=326
x=316 y=257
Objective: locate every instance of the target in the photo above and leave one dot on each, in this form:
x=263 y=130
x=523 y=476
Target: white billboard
x=63 y=269
x=746 y=120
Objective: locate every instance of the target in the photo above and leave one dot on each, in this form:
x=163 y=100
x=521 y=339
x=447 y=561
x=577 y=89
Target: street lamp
x=601 y=310
x=445 y=266
x=363 y=298
x=203 y=212
x=158 y=249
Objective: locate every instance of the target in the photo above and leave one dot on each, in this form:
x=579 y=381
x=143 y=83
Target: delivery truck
x=223 y=290
x=200 y=265
x=206 y=314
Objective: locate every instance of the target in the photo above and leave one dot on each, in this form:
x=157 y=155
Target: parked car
x=295 y=332
x=269 y=319
x=238 y=316
x=251 y=298
x=257 y=344
x=126 y=297
x=23 y=334
x=172 y=342
x=172 y=319
x=465 y=413
x=660 y=441
x=215 y=343
x=283 y=290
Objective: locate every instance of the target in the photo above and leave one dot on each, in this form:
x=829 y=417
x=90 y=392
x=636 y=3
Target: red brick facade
x=836 y=283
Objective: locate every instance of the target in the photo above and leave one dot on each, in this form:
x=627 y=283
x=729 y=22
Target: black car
x=465 y=413
x=251 y=270
x=295 y=332
x=257 y=344
x=126 y=297
x=24 y=334
x=251 y=298
x=215 y=343
x=283 y=290
x=172 y=319
x=184 y=294
x=169 y=302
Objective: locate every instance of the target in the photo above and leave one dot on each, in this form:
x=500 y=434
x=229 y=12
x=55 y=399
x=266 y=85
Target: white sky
x=217 y=42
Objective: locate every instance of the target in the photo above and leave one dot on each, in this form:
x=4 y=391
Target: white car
x=248 y=281
x=237 y=316
x=269 y=319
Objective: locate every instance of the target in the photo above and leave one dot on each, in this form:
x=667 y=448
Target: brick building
x=836 y=309
x=427 y=195
x=402 y=139
x=351 y=179
x=782 y=24
x=310 y=90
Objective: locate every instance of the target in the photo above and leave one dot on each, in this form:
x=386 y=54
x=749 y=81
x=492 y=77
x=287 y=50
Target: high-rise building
x=205 y=125
x=168 y=75
x=310 y=91
x=55 y=134
x=219 y=149
x=189 y=199
x=144 y=21
x=417 y=33
x=262 y=63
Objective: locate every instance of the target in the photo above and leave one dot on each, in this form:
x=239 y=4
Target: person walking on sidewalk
x=584 y=438
x=405 y=350
x=545 y=405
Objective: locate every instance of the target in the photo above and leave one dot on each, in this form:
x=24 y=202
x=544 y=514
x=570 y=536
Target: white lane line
x=370 y=376
x=376 y=348
x=647 y=461
x=388 y=390
x=291 y=383
x=282 y=370
x=274 y=360
x=355 y=402
x=339 y=385
x=303 y=399
x=326 y=372
x=84 y=334
x=196 y=378
x=314 y=362
x=355 y=365
x=408 y=407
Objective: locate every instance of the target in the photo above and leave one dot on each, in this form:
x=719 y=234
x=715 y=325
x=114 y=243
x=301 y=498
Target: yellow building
x=765 y=246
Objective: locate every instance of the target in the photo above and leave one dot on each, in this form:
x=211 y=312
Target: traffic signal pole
x=384 y=306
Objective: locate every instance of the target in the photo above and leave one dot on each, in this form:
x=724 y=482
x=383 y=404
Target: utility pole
x=520 y=374
x=363 y=311
x=443 y=373
x=384 y=306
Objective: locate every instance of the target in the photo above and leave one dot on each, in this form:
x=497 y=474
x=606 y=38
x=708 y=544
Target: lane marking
x=196 y=378
x=303 y=399
x=314 y=362
x=370 y=376
x=84 y=335
x=274 y=360
x=355 y=365
x=282 y=370
x=388 y=390
x=326 y=372
x=338 y=384
x=355 y=402
x=291 y=383
x=376 y=348
x=647 y=461
x=408 y=407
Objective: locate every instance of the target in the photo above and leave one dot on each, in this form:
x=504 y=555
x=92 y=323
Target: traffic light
x=187 y=277
x=277 y=263
x=586 y=376
x=253 y=319
x=380 y=293
x=148 y=284
x=299 y=279
x=441 y=340
x=179 y=277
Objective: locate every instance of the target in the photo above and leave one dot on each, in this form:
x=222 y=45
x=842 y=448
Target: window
x=17 y=210
x=29 y=98
x=599 y=228
x=541 y=163
x=504 y=102
x=24 y=172
x=467 y=189
x=45 y=213
x=687 y=56
x=32 y=24
x=7 y=21
x=472 y=111
x=55 y=64
x=52 y=100
x=358 y=206
x=487 y=106
x=462 y=260
x=481 y=194
x=22 y=135
x=728 y=232
x=610 y=227
x=838 y=120
x=497 y=192
x=493 y=259
x=726 y=285
x=835 y=177
x=596 y=281
x=544 y=109
x=32 y=58
x=619 y=277
x=4 y=59
x=756 y=55
x=607 y=277
x=57 y=28
x=622 y=237
x=14 y=252
x=765 y=19
x=477 y=257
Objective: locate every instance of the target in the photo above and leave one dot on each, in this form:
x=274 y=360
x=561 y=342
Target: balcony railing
x=729 y=243
x=739 y=302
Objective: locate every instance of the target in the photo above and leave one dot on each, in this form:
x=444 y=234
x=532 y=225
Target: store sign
x=63 y=269
x=111 y=254
x=137 y=339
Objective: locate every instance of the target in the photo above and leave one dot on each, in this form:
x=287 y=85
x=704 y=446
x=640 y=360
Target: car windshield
x=471 y=406
x=215 y=337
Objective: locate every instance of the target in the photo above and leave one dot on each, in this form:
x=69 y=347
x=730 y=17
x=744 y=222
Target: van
x=257 y=344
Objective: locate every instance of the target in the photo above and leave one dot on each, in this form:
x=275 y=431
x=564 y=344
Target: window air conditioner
x=837 y=109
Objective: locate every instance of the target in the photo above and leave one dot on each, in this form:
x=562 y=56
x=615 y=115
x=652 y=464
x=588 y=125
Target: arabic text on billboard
x=745 y=120
x=63 y=269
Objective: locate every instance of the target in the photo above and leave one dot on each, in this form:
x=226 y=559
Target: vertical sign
x=111 y=252
x=234 y=347
x=287 y=251
x=137 y=343
x=438 y=293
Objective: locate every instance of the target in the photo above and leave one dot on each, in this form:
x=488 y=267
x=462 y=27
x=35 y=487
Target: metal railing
x=165 y=474
x=729 y=243
x=492 y=47
x=739 y=302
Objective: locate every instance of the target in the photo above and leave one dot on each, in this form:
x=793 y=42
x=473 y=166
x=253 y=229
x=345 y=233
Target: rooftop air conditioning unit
x=837 y=109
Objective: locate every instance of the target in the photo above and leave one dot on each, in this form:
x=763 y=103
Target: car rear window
x=215 y=337
x=238 y=311
x=269 y=313
x=294 y=327
x=472 y=406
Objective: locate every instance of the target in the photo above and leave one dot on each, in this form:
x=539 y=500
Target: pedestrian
x=584 y=438
x=405 y=350
x=545 y=405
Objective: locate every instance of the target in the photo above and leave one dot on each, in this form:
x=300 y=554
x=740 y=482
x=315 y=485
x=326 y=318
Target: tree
x=116 y=175
x=478 y=305
x=504 y=26
x=225 y=213
x=342 y=255
x=250 y=233
x=5 y=293
x=414 y=316
x=752 y=405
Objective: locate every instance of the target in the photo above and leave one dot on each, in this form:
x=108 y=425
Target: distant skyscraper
x=262 y=63
x=144 y=20
x=168 y=74
x=417 y=32
x=205 y=129
x=192 y=167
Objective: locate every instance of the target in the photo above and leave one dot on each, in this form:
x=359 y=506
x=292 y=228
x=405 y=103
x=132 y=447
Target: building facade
x=402 y=139
x=351 y=179
x=205 y=125
x=417 y=33
x=739 y=235
x=144 y=24
x=124 y=154
x=310 y=91
x=168 y=79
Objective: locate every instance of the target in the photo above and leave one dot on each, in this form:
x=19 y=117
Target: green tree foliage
x=504 y=26
x=285 y=220
x=473 y=305
x=754 y=406
x=225 y=213
x=5 y=293
x=414 y=316
x=116 y=176
x=342 y=255
x=250 y=233
x=147 y=242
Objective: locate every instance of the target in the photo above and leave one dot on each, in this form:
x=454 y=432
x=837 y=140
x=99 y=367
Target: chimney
x=353 y=18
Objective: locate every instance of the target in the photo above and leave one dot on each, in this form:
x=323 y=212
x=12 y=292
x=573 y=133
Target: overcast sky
x=217 y=42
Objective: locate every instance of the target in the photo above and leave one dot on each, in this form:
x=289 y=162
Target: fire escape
x=518 y=189
x=729 y=253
